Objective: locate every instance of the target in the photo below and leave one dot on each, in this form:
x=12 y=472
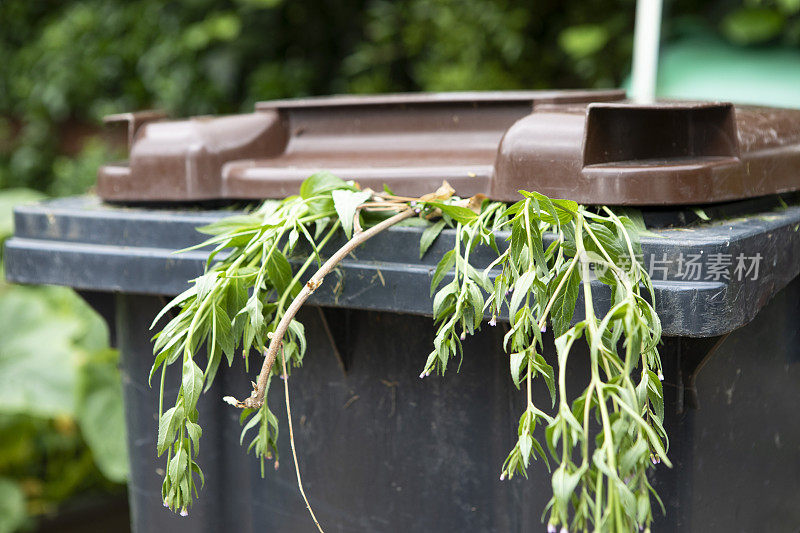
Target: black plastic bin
x=382 y=450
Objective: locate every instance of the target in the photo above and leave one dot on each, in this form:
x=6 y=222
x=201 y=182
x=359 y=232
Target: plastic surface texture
x=588 y=146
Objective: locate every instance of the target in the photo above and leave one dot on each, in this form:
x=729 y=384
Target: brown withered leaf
x=442 y=193
x=473 y=204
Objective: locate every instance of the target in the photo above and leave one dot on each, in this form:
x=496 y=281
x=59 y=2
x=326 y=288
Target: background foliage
x=66 y=63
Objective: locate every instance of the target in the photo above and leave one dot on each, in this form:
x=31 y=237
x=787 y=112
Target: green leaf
x=521 y=289
x=445 y=265
x=546 y=371
x=192 y=383
x=205 y=284
x=655 y=394
x=563 y=308
x=475 y=297
x=457 y=213
x=443 y=297
x=231 y=224
x=564 y=483
x=167 y=427
x=195 y=432
x=224 y=334
x=177 y=465
x=214 y=353
x=196 y=469
x=299 y=332
x=294 y=236
x=320 y=183
x=182 y=297
x=429 y=236
x=517 y=362
x=279 y=271
x=566 y=209
x=250 y=423
x=525 y=445
x=633 y=455
x=345 y=202
x=611 y=242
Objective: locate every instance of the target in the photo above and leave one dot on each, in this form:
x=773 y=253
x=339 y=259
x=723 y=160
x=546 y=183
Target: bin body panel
x=382 y=450
x=743 y=439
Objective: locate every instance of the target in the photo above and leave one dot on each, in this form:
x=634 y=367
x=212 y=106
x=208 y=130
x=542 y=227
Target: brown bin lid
x=588 y=146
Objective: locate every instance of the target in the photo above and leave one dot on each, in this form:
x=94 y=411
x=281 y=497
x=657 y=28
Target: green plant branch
x=256 y=398
x=606 y=490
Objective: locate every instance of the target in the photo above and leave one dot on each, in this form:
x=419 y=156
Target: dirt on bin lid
x=593 y=147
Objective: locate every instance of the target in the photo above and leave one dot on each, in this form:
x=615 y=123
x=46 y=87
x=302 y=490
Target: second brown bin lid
x=589 y=146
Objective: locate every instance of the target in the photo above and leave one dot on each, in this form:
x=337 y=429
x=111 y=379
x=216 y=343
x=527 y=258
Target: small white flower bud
x=493 y=321
x=503 y=476
x=463 y=335
x=564 y=529
x=422 y=374
x=166 y=504
x=184 y=512
x=660 y=376
x=551 y=528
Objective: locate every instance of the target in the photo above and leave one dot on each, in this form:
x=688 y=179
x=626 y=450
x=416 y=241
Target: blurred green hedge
x=68 y=63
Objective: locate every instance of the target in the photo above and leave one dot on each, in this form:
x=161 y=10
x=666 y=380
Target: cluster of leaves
x=460 y=303
x=62 y=428
x=234 y=306
x=600 y=480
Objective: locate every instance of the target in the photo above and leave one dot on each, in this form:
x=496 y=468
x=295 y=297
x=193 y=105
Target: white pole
x=646 y=36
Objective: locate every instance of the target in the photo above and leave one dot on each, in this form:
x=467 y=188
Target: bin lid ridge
x=593 y=147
